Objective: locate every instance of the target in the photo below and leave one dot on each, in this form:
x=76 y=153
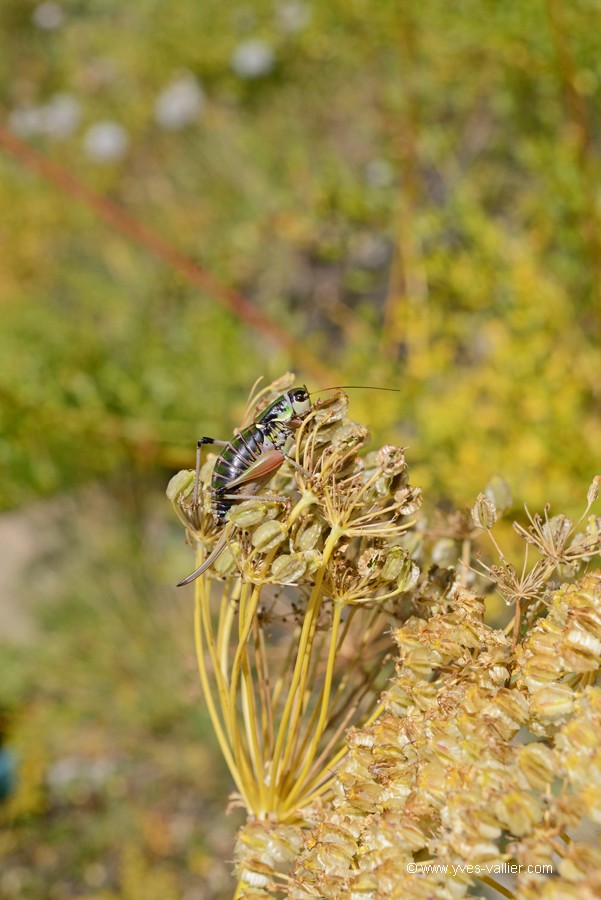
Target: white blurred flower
x=71 y=769
x=48 y=15
x=62 y=114
x=180 y=103
x=106 y=141
x=59 y=117
x=293 y=16
x=253 y=58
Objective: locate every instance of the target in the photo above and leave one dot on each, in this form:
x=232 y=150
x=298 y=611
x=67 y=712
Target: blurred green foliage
x=119 y=791
x=410 y=190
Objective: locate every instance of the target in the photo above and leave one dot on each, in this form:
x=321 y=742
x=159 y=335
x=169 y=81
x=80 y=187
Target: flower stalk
x=292 y=625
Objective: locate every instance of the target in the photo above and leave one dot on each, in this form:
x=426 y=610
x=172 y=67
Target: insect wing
x=268 y=463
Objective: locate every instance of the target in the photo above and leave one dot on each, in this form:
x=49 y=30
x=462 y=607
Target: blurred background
x=194 y=194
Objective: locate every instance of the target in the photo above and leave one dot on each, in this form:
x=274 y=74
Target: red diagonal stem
x=160 y=248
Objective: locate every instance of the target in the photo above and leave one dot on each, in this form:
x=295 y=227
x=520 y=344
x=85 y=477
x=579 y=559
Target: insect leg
x=298 y=467
x=199 y=445
x=267 y=497
x=285 y=448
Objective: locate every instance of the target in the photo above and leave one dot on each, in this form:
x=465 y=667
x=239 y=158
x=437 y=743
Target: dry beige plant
x=384 y=739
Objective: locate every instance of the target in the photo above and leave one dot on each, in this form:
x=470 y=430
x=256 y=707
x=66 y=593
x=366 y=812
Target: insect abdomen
x=236 y=458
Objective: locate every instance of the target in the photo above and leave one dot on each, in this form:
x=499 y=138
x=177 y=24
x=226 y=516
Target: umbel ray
x=252 y=457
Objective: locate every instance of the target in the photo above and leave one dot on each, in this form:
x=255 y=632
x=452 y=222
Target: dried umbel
x=485 y=763
x=484 y=767
x=293 y=620
x=563 y=552
x=477 y=756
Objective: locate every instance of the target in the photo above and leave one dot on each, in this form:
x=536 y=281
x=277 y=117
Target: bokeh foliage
x=411 y=190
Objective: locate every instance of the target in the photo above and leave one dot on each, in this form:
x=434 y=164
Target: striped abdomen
x=237 y=458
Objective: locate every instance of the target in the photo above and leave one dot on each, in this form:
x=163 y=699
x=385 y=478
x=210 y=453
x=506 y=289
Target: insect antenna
x=358 y=387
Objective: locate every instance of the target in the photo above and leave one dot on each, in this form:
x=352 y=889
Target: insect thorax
x=276 y=433
x=279 y=411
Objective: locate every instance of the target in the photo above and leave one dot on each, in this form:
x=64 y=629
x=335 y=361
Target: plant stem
x=321 y=724
x=217 y=727
x=304 y=651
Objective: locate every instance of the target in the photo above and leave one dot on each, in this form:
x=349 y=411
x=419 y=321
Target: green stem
x=204 y=680
x=301 y=753
x=317 y=786
x=203 y=602
x=304 y=650
x=321 y=724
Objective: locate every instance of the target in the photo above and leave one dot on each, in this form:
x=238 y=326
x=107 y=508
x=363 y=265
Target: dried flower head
x=293 y=620
x=475 y=757
x=476 y=770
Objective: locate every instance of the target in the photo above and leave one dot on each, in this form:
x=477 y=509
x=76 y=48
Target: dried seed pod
x=556 y=530
x=568 y=571
x=409 y=500
x=225 y=564
x=248 y=513
x=391 y=459
x=538 y=764
x=369 y=564
x=268 y=535
x=181 y=486
x=581 y=651
x=484 y=514
x=256 y=879
x=555 y=701
x=400 y=567
x=382 y=485
x=499 y=493
x=288 y=568
x=349 y=434
x=584 y=545
x=412 y=542
x=593 y=491
x=308 y=533
x=579 y=864
x=593 y=528
x=332 y=409
x=313 y=560
x=518 y=811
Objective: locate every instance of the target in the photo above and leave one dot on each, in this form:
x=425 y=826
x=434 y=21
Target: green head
x=290 y=408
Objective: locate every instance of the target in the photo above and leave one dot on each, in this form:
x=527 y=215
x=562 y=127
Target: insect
x=249 y=460
x=252 y=457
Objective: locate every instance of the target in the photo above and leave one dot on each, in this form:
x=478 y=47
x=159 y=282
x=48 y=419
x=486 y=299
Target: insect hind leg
x=297 y=466
x=267 y=497
x=199 y=446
